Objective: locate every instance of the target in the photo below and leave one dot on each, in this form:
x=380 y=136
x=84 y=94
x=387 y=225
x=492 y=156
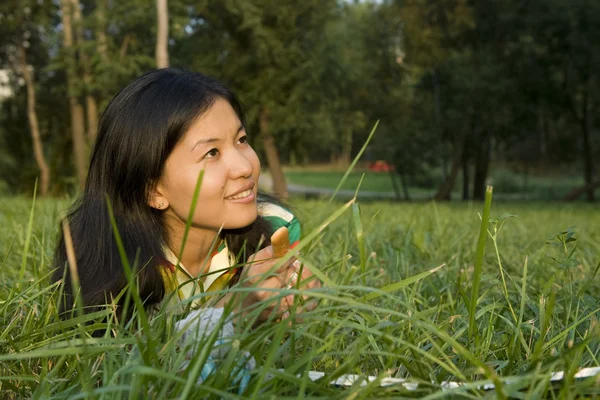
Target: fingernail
x=294 y=279
x=297 y=265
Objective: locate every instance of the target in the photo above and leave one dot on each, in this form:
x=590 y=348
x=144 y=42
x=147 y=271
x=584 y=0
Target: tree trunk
x=346 y=152
x=90 y=100
x=279 y=184
x=526 y=180
x=395 y=185
x=78 y=138
x=404 y=183
x=588 y=161
x=440 y=124
x=482 y=162
x=92 y=117
x=77 y=115
x=466 y=178
x=162 y=34
x=38 y=150
x=577 y=192
x=124 y=46
x=445 y=189
x=101 y=29
x=542 y=128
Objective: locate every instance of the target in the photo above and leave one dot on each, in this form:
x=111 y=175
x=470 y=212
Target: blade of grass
x=479 y=263
x=269 y=360
x=351 y=167
x=399 y=285
x=10 y=246
x=150 y=350
x=360 y=239
x=28 y=235
x=188 y=222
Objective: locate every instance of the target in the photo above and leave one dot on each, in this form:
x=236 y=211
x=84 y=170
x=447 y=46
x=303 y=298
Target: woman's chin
x=241 y=223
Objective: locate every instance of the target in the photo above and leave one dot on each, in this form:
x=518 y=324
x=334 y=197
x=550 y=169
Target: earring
x=160 y=205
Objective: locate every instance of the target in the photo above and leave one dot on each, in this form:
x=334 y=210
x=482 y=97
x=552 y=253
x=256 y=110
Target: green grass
x=373 y=182
x=382 y=311
x=506 y=183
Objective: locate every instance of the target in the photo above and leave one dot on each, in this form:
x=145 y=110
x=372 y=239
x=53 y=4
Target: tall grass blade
x=28 y=234
x=351 y=167
x=188 y=222
x=360 y=240
x=485 y=217
x=149 y=351
x=399 y=285
x=73 y=271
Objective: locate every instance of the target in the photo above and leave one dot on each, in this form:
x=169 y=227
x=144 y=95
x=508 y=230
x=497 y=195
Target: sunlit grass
x=386 y=310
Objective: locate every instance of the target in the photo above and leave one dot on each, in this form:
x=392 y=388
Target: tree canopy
x=457 y=85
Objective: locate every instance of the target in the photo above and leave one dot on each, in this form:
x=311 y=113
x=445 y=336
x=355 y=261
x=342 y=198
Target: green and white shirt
x=220 y=271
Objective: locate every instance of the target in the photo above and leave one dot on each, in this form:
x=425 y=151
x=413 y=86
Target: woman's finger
x=276 y=304
x=253 y=271
x=305 y=281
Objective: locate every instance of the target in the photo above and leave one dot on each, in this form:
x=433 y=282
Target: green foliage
x=272 y=53
x=491 y=80
x=385 y=310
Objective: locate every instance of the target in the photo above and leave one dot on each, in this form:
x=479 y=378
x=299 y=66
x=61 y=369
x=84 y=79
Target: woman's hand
x=260 y=274
x=301 y=279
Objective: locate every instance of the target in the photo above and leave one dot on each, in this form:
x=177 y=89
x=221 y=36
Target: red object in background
x=380 y=166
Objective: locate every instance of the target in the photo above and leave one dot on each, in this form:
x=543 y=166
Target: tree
x=76 y=109
x=19 y=33
x=38 y=150
x=162 y=34
x=433 y=34
x=579 y=78
x=263 y=48
x=554 y=47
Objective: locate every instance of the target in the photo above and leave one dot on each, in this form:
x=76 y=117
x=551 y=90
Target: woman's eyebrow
x=205 y=141
x=213 y=140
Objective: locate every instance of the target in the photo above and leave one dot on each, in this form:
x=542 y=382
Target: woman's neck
x=199 y=245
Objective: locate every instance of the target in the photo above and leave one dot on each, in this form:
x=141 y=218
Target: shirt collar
x=218 y=265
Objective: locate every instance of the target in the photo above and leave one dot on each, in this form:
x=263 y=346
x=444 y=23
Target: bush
x=506 y=181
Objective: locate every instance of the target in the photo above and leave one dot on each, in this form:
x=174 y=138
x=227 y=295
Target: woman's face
x=216 y=143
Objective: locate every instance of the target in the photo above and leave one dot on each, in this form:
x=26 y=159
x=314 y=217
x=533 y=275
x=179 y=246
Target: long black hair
x=138 y=130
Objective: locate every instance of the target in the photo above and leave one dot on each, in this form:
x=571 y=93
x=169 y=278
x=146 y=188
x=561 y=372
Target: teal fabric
x=240 y=376
x=293 y=226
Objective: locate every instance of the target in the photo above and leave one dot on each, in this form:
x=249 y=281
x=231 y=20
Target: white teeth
x=245 y=193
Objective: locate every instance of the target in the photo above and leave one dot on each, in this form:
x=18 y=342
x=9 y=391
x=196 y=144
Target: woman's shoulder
x=271 y=210
x=278 y=215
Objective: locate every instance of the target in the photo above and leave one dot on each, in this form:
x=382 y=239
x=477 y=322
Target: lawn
x=373 y=181
x=507 y=184
x=384 y=310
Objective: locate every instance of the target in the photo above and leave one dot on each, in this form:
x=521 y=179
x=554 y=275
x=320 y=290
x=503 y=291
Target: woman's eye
x=243 y=140
x=212 y=153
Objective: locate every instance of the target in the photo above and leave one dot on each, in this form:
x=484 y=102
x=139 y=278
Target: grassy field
x=384 y=310
x=507 y=184
x=373 y=182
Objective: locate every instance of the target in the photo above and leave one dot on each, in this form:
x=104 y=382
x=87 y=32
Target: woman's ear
x=156 y=199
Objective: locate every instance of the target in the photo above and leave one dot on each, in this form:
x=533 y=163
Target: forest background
x=467 y=92
x=463 y=93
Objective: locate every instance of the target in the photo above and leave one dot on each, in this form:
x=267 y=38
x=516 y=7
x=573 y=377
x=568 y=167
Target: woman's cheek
x=212 y=185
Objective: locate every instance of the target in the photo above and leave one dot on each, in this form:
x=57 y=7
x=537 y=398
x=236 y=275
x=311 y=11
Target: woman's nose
x=239 y=165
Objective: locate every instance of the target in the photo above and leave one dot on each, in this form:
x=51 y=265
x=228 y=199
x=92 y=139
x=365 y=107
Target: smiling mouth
x=241 y=195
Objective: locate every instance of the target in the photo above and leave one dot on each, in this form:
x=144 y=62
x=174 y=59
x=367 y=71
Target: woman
x=154 y=140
